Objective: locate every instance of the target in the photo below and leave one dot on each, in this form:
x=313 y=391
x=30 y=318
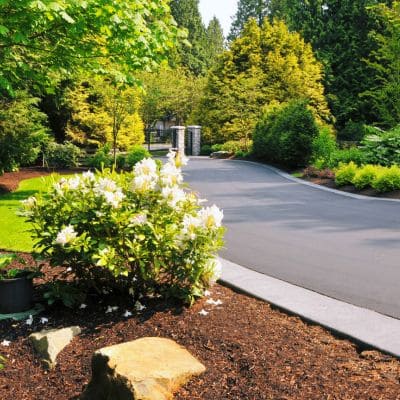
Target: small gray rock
x=49 y=343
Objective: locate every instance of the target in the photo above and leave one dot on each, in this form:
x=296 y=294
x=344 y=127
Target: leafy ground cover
x=251 y=350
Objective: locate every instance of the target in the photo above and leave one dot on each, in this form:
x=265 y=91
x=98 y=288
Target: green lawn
x=14 y=233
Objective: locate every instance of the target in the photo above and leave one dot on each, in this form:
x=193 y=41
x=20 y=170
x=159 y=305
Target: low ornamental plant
x=138 y=232
x=345 y=173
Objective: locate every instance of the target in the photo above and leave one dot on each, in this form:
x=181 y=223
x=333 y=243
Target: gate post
x=178 y=138
x=195 y=132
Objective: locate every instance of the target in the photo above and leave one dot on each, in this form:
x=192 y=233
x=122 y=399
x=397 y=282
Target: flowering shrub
x=140 y=231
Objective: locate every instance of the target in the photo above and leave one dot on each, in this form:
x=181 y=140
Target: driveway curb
x=365 y=327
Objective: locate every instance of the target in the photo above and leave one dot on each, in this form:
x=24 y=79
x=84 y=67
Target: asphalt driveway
x=345 y=248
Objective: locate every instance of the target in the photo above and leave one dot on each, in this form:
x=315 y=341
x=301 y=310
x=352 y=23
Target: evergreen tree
x=215 y=40
x=265 y=65
x=384 y=94
x=194 y=56
x=339 y=32
x=257 y=9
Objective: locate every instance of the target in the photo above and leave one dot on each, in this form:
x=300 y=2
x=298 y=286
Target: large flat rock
x=149 y=368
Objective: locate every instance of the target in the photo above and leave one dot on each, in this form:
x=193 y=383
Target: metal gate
x=158 y=139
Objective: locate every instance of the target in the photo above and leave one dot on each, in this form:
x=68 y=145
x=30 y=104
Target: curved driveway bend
x=342 y=247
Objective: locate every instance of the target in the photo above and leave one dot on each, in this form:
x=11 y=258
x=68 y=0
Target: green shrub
x=205 y=150
x=102 y=158
x=345 y=156
x=216 y=147
x=136 y=232
x=136 y=154
x=121 y=161
x=345 y=173
x=233 y=146
x=382 y=147
x=22 y=131
x=285 y=135
x=387 y=179
x=365 y=175
x=323 y=147
x=62 y=155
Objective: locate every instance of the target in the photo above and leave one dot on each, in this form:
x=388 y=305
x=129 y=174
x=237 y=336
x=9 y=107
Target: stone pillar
x=178 y=140
x=195 y=132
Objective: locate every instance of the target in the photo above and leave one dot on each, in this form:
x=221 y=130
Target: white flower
x=105 y=185
x=44 y=320
x=111 y=309
x=176 y=158
x=82 y=306
x=69 y=269
x=131 y=291
x=190 y=224
x=214 y=269
x=173 y=195
x=29 y=203
x=29 y=321
x=74 y=183
x=113 y=198
x=145 y=167
x=203 y=312
x=214 y=302
x=66 y=235
x=127 y=314
x=5 y=343
x=170 y=175
x=138 y=219
x=143 y=183
x=89 y=175
x=211 y=216
x=139 y=306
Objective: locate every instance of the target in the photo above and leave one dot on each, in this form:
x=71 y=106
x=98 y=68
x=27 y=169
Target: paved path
x=342 y=247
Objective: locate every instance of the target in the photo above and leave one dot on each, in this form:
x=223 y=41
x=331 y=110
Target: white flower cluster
x=146 y=176
x=109 y=190
x=66 y=235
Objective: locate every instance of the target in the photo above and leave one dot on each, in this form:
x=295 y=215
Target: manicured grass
x=14 y=231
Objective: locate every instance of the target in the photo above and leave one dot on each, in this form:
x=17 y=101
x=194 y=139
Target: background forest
x=295 y=82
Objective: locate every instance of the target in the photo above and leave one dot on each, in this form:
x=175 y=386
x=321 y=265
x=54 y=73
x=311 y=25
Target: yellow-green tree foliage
x=265 y=65
x=104 y=113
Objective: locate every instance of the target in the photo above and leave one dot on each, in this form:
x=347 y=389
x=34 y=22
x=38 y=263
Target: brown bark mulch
x=251 y=350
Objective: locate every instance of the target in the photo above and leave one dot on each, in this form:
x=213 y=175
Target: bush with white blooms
x=142 y=232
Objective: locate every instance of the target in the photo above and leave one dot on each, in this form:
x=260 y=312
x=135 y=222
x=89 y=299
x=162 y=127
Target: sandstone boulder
x=48 y=343
x=145 y=369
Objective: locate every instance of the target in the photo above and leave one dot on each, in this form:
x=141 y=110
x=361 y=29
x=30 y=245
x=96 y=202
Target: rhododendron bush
x=141 y=232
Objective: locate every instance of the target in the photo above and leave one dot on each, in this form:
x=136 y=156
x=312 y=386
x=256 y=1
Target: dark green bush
x=323 y=147
x=22 y=131
x=61 y=155
x=102 y=158
x=205 y=150
x=136 y=153
x=345 y=156
x=285 y=135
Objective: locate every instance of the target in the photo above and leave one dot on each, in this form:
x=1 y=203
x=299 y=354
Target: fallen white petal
x=203 y=312
x=207 y=293
x=44 y=320
x=214 y=302
x=29 y=321
x=127 y=314
x=139 y=306
x=82 y=306
x=5 y=343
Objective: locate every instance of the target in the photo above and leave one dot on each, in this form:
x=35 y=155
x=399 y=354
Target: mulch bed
x=251 y=350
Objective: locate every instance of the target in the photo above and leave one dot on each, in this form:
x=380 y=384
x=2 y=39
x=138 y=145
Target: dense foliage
x=285 y=135
x=42 y=41
x=22 y=131
x=64 y=155
x=138 y=232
